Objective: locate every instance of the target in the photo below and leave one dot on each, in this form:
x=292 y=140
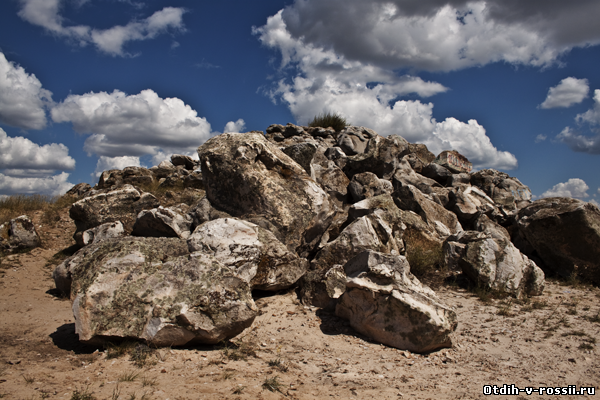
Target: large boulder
x=565 y=234
x=331 y=178
x=116 y=205
x=367 y=184
x=152 y=289
x=162 y=222
x=138 y=176
x=302 y=153
x=354 y=140
x=185 y=161
x=405 y=175
x=468 y=203
x=253 y=253
x=245 y=175
x=495 y=264
x=506 y=191
x=22 y=234
x=384 y=301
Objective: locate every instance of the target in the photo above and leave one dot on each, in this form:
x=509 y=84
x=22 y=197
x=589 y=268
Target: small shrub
x=83 y=394
x=128 y=377
x=139 y=355
x=273 y=384
x=278 y=364
x=504 y=309
x=239 y=351
x=239 y=390
x=328 y=120
x=119 y=349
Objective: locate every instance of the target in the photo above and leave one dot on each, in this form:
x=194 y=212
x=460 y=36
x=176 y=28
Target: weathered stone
x=193 y=180
x=367 y=184
x=248 y=176
x=101 y=232
x=404 y=175
x=384 y=301
x=253 y=253
x=202 y=211
x=454 y=161
x=468 y=203
x=381 y=156
x=22 y=234
x=116 y=205
x=459 y=180
x=79 y=190
x=142 y=288
x=422 y=152
x=442 y=221
x=137 y=176
x=162 y=222
x=336 y=155
x=110 y=178
x=355 y=139
x=147 y=201
x=437 y=172
x=186 y=161
x=484 y=224
x=565 y=234
x=163 y=169
x=506 y=191
x=331 y=178
x=496 y=264
x=302 y=153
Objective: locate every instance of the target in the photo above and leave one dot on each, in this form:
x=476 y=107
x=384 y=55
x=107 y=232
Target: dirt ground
x=293 y=351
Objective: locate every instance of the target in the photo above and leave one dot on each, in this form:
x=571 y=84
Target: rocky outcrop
x=370 y=152
x=152 y=289
x=507 y=192
x=494 y=263
x=248 y=176
x=564 y=233
x=254 y=254
x=384 y=301
x=101 y=232
x=367 y=184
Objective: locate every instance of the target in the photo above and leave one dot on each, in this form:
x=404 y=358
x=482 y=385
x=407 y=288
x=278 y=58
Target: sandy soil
x=303 y=353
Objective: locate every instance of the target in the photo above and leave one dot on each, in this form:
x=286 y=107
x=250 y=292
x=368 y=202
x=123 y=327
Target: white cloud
x=568 y=92
x=53 y=185
x=540 y=138
x=444 y=35
x=574 y=187
x=591 y=116
x=107 y=163
x=22 y=153
x=134 y=125
x=584 y=143
x=46 y=13
x=235 y=127
x=368 y=95
x=22 y=98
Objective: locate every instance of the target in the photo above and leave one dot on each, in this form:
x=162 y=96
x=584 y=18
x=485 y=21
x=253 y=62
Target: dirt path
x=300 y=352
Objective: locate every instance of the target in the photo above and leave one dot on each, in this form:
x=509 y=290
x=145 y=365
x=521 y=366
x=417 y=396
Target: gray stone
x=355 y=139
x=253 y=253
x=380 y=157
x=186 y=161
x=367 y=184
x=302 y=153
x=162 y=222
x=101 y=232
x=138 y=176
x=506 y=191
x=79 y=190
x=22 y=234
x=384 y=301
x=437 y=172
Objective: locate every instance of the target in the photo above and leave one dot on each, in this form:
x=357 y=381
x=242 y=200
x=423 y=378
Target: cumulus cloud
x=235 y=127
x=133 y=125
x=105 y=163
x=574 y=187
x=591 y=116
x=568 y=92
x=444 y=35
x=23 y=101
x=52 y=185
x=590 y=141
x=540 y=138
x=369 y=95
x=46 y=13
x=21 y=153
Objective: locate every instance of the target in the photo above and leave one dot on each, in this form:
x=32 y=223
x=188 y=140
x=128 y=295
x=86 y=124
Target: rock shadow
x=65 y=338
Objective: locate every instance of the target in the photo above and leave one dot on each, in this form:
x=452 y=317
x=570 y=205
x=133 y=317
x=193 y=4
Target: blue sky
x=89 y=85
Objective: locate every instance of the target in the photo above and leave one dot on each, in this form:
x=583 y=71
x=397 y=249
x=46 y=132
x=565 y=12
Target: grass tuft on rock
x=329 y=120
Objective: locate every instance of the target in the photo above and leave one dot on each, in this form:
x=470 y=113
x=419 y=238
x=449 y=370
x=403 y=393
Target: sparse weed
x=239 y=390
x=128 y=377
x=115 y=393
x=239 y=351
x=148 y=381
x=227 y=375
x=329 y=120
x=28 y=379
x=83 y=394
x=139 y=355
x=120 y=349
x=278 y=364
x=586 y=346
x=504 y=309
x=273 y=384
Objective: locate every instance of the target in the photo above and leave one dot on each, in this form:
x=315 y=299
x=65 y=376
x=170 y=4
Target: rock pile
x=341 y=216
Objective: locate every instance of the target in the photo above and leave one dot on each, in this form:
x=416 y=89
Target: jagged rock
x=496 y=264
x=116 y=205
x=367 y=184
x=202 y=211
x=442 y=221
x=506 y=191
x=336 y=155
x=152 y=289
x=79 y=190
x=459 y=180
x=110 y=178
x=101 y=232
x=484 y=224
x=22 y=234
x=355 y=139
x=137 y=176
x=565 y=234
x=422 y=152
x=437 y=172
x=147 y=201
x=380 y=156
x=384 y=301
x=164 y=169
x=186 y=161
x=404 y=175
x=302 y=153
x=468 y=203
x=331 y=178
x=193 y=180
x=162 y=222
x=253 y=253
x=245 y=175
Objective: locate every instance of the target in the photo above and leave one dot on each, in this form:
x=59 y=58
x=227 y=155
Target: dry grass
x=17 y=205
x=329 y=120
